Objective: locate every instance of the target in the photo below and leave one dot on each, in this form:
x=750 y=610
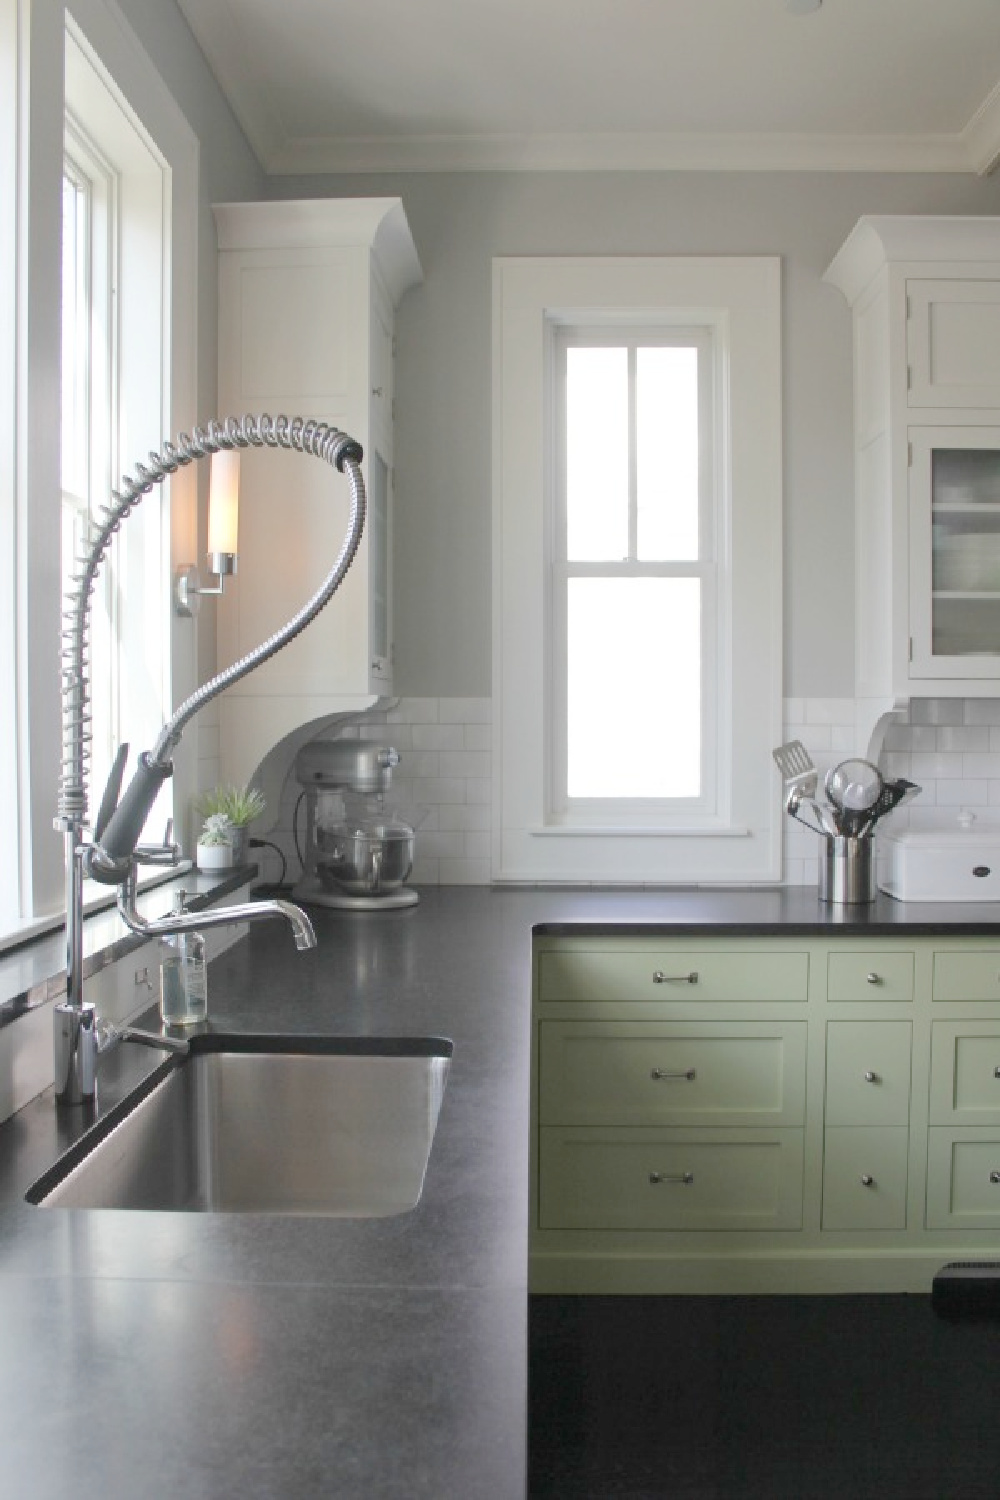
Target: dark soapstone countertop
x=216 y=1356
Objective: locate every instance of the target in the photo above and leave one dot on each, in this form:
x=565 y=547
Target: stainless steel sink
x=271 y=1125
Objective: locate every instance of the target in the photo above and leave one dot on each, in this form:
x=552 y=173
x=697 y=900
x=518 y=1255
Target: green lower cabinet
x=669 y=1179
x=784 y=1114
x=864 y=1177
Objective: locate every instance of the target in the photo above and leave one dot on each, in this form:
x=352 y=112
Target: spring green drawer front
x=870 y=975
x=670 y=1179
x=864 y=1178
x=868 y=1072
x=671 y=1073
x=963 y=1179
x=689 y=975
x=967 y=976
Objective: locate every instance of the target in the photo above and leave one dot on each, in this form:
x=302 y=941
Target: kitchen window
x=633 y=565
x=637 y=570
x=124 y=180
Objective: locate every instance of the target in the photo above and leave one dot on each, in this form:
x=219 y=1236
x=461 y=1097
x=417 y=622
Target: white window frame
x=712 y=522
x=739 y=299
x=32 y=62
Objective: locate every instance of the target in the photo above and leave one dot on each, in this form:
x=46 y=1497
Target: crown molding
x=627 y=153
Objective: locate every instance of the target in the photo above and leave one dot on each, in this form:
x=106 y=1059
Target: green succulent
x=238 y=804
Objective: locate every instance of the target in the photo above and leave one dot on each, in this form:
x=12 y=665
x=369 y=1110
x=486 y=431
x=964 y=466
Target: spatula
x=798 y=771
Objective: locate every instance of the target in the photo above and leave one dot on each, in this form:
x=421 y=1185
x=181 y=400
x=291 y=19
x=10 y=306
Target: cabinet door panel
x=963 y=1179
x=953 y=343
x=868 y=1072
x=644 y=1179
x=864 y=1178
x=965 y=1073
x=671 y=1073
x=687 y=974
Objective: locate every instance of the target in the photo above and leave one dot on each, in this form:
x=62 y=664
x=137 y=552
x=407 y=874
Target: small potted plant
x=239 y=805
x=215 y=843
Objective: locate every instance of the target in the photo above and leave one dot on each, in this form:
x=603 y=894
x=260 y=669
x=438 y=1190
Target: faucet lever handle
x=111 y=792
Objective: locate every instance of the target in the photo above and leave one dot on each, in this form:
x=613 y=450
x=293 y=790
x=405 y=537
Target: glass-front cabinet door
x=955 y=552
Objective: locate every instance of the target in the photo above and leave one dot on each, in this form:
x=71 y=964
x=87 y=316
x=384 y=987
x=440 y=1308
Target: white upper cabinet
x=925 y=298
x=307 y=299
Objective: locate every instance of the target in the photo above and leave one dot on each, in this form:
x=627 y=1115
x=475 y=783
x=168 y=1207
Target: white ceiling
x=369 y=85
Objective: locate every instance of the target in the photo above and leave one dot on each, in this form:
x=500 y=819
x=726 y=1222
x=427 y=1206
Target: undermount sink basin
x=336 y=1126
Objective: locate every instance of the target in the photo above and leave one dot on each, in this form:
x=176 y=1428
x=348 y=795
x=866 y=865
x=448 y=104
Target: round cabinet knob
x=871 y=1077
x=996 y=1072
x=874 y=978
x=867 y=1180
x=995 y=1176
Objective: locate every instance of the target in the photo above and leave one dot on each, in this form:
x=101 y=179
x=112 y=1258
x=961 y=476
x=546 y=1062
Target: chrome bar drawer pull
x=684 y=1178
x=871 y=1077
x=660 y=978
x=867 y=1180
x=874 y=978
x=658 y=1073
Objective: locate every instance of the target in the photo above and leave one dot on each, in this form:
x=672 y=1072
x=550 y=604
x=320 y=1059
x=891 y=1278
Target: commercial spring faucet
x=113 y=852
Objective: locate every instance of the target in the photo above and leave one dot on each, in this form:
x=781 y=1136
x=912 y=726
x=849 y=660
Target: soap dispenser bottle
x=183 y=975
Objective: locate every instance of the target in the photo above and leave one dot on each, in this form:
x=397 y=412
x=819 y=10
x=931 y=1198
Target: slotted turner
x=797 y=770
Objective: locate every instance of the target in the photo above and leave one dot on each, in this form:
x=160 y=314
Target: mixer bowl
x=364 y=861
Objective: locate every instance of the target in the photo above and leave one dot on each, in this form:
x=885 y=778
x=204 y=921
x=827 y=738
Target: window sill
x=33 y=972
x=640 y=831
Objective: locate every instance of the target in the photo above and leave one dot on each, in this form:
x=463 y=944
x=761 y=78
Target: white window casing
x=731 y=834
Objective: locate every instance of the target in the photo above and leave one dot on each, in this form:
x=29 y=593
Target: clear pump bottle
x=183 y=976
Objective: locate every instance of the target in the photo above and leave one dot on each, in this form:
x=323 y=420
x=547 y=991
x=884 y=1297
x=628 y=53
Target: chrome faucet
x=112 y=854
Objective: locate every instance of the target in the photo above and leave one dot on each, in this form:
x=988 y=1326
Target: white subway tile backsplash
x=464 y=763
x=431 y=789
x=975 y=738
x=982 y=710
x=938 y=711
x=413 y=711
x=987 y=766
x=924 y=766
x=479 y=737
x=465 y=816
x=465 y=710
x=438 y=737
x=966 y=793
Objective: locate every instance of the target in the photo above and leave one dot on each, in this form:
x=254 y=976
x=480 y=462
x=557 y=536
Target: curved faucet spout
x=219 y=916
x=111 y=856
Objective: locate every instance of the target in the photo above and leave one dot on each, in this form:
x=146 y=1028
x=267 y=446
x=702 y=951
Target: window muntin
x=633 y=681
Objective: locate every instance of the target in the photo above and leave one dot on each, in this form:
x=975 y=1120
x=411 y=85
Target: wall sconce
x=223 y=523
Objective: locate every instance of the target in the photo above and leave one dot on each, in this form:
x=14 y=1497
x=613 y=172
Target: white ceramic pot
x=215 y=856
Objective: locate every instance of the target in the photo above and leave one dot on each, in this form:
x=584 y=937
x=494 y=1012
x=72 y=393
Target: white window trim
x=33 y=40
x=740 y=296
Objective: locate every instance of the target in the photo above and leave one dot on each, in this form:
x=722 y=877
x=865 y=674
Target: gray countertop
x=211 y=1355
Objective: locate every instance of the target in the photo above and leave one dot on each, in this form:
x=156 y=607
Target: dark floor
x=761 y=1398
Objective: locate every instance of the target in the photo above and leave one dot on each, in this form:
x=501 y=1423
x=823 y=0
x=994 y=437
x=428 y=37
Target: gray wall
x=228 y=171
x=460 y=221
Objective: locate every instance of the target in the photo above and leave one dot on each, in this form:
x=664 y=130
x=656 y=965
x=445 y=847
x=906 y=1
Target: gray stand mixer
x=357 y=856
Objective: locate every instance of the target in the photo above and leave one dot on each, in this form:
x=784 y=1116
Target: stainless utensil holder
x=847 y=870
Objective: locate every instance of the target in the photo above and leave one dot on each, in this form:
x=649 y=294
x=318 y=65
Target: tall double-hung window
x=634 y=576
x=637 y=570
x=115 y=294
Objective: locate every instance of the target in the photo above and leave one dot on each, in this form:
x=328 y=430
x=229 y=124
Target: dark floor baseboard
x=761 y=1398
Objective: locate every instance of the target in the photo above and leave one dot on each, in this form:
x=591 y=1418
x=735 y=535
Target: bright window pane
x=667 y=454
x=596 y=454
x=625 y=739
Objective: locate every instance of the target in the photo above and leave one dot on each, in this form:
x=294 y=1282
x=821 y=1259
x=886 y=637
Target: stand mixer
x=357 y=855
